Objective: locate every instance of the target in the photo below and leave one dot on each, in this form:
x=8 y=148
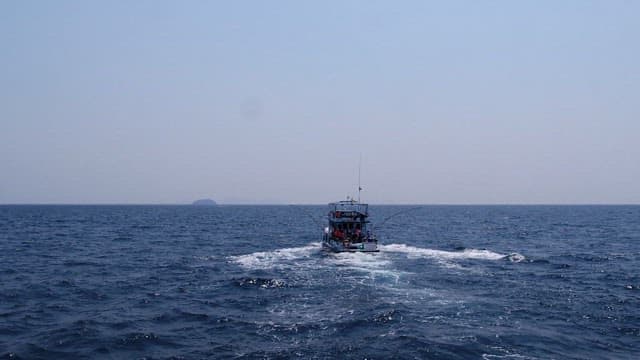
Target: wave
x=312 y=257
x=264 y=283
x=358 y=260
x=515 y=257
x=296 y=257
x=372 y=266
x=275 y=258
x=476 y=254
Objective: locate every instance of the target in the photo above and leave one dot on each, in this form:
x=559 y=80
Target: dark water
x=451 y=282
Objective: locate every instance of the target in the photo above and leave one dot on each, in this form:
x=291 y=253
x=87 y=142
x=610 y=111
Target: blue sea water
x=251 y=282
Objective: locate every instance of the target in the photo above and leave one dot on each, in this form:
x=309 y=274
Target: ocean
x=251 y=282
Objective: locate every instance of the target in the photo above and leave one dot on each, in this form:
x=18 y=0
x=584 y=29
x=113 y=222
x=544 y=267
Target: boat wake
x=309 y=256
x=358 y=260
x=370 y=265
x=279 y=258
x=389 y=270
x=476 y=254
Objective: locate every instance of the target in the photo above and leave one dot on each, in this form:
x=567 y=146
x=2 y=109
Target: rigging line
x=394 y=215
x=311 y=216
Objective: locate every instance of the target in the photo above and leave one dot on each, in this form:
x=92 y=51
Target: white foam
x=358 y=260
x=416 y=252
x=275 y=258
x=371 y=266
x=515 y=257
x=507 y=356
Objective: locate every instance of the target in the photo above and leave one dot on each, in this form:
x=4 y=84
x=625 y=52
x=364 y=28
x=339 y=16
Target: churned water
x=450 y=282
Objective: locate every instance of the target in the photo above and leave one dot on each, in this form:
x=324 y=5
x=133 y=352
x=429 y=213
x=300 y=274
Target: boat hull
x=339 y=246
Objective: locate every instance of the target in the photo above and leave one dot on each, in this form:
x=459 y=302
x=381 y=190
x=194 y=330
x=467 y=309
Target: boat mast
x=359 y=168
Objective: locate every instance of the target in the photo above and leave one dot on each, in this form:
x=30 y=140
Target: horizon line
x=320 y=204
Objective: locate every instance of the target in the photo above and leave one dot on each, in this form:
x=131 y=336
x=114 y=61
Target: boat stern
x=340 y=246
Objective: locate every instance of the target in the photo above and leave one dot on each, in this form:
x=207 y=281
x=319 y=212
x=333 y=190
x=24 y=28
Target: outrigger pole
x=396 y=214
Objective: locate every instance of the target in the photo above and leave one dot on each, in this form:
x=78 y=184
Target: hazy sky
x=273 y=101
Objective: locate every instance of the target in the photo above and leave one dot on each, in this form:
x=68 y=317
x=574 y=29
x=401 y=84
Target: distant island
x=204 y=202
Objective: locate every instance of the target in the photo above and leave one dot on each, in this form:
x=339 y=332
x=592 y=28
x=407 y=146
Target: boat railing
x=350 y=207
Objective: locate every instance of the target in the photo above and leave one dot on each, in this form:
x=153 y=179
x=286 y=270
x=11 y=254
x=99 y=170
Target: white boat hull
x=340 y=246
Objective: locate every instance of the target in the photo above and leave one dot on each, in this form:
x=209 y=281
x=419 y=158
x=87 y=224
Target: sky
x=276 y=102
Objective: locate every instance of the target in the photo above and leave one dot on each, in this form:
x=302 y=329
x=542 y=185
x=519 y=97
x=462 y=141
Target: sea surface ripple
x=248 y=282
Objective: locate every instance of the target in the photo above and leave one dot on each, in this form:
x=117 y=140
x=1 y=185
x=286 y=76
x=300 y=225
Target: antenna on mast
x=359 y=168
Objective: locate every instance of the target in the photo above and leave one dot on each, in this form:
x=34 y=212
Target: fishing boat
x=348 y=229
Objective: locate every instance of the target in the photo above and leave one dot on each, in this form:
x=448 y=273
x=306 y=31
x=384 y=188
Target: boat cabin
x=348 y=221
